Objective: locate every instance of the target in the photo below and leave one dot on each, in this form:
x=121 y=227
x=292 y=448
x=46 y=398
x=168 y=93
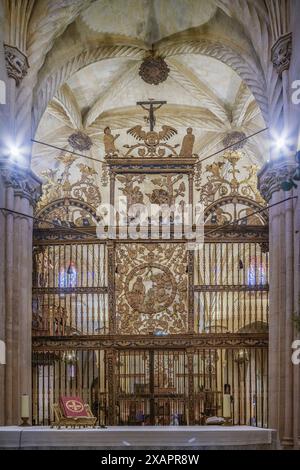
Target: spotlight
x=15 y=152
x=280 y=143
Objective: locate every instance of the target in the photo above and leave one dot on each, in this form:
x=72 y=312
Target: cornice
x=273 y=174
x=24 y=181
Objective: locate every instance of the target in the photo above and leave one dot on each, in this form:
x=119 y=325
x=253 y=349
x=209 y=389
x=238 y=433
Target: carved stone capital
x=16 y=63
x=281 y=53
x=272 y=175
x=24 y=182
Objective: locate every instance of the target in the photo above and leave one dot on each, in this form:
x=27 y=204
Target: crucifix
x=151 y=106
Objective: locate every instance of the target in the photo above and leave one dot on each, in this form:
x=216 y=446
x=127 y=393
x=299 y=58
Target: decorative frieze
x=16 y=63
x=207 y=340
x=24 y=182
x=272 y=175
x=281 y=53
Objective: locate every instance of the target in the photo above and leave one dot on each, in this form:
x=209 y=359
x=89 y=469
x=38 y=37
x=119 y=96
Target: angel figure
x=109 y=142
x=187 y=144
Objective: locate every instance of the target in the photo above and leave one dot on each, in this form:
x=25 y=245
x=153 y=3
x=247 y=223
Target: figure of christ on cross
x=151 y=106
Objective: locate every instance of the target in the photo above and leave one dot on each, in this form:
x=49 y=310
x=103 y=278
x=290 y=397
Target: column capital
x=16 y=63
x=273 y=174
x=281 y=53
x=24 y=181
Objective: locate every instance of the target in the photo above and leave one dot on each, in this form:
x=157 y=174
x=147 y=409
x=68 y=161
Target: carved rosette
x=16 y=63
x=154 y=70
x=281 y=53
x=24 y=182
x=80 y=141
x=272 y=175
x=233 y=139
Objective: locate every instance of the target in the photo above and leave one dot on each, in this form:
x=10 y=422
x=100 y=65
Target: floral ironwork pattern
x=151 y=295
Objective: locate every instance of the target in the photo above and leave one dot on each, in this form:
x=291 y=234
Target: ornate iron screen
x=145 y=329
x=151 y=376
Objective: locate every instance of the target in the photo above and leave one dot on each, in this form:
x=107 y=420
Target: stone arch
x=246 y=202
x=58 y=203
x=51 y=84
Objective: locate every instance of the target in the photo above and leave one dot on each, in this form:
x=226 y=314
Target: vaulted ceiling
x=201 y=92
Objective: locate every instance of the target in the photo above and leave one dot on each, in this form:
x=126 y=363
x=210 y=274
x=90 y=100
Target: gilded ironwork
x=230 y=191
x=109 y=143
x=153 y=144
x=160 y=189
x=111 y=374
x=111 y=273
x=64 y=200
x=154 y=329
x=172 y=341
x=223 y=180
x=151 y=288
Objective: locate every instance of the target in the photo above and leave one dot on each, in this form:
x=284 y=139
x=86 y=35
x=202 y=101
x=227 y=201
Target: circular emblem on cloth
x=150 y=288
x=74 y=405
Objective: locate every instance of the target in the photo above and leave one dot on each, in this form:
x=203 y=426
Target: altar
x=144 y=438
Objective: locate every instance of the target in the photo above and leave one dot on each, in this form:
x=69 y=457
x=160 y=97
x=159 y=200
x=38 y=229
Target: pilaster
x=20 y=189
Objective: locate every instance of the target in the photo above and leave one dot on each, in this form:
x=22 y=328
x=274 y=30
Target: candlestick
x=25 y=406
x=25 y=410
x=226 y=406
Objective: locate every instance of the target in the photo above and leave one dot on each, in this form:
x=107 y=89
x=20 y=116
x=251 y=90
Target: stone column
x=20 y=189
x=284 y=291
